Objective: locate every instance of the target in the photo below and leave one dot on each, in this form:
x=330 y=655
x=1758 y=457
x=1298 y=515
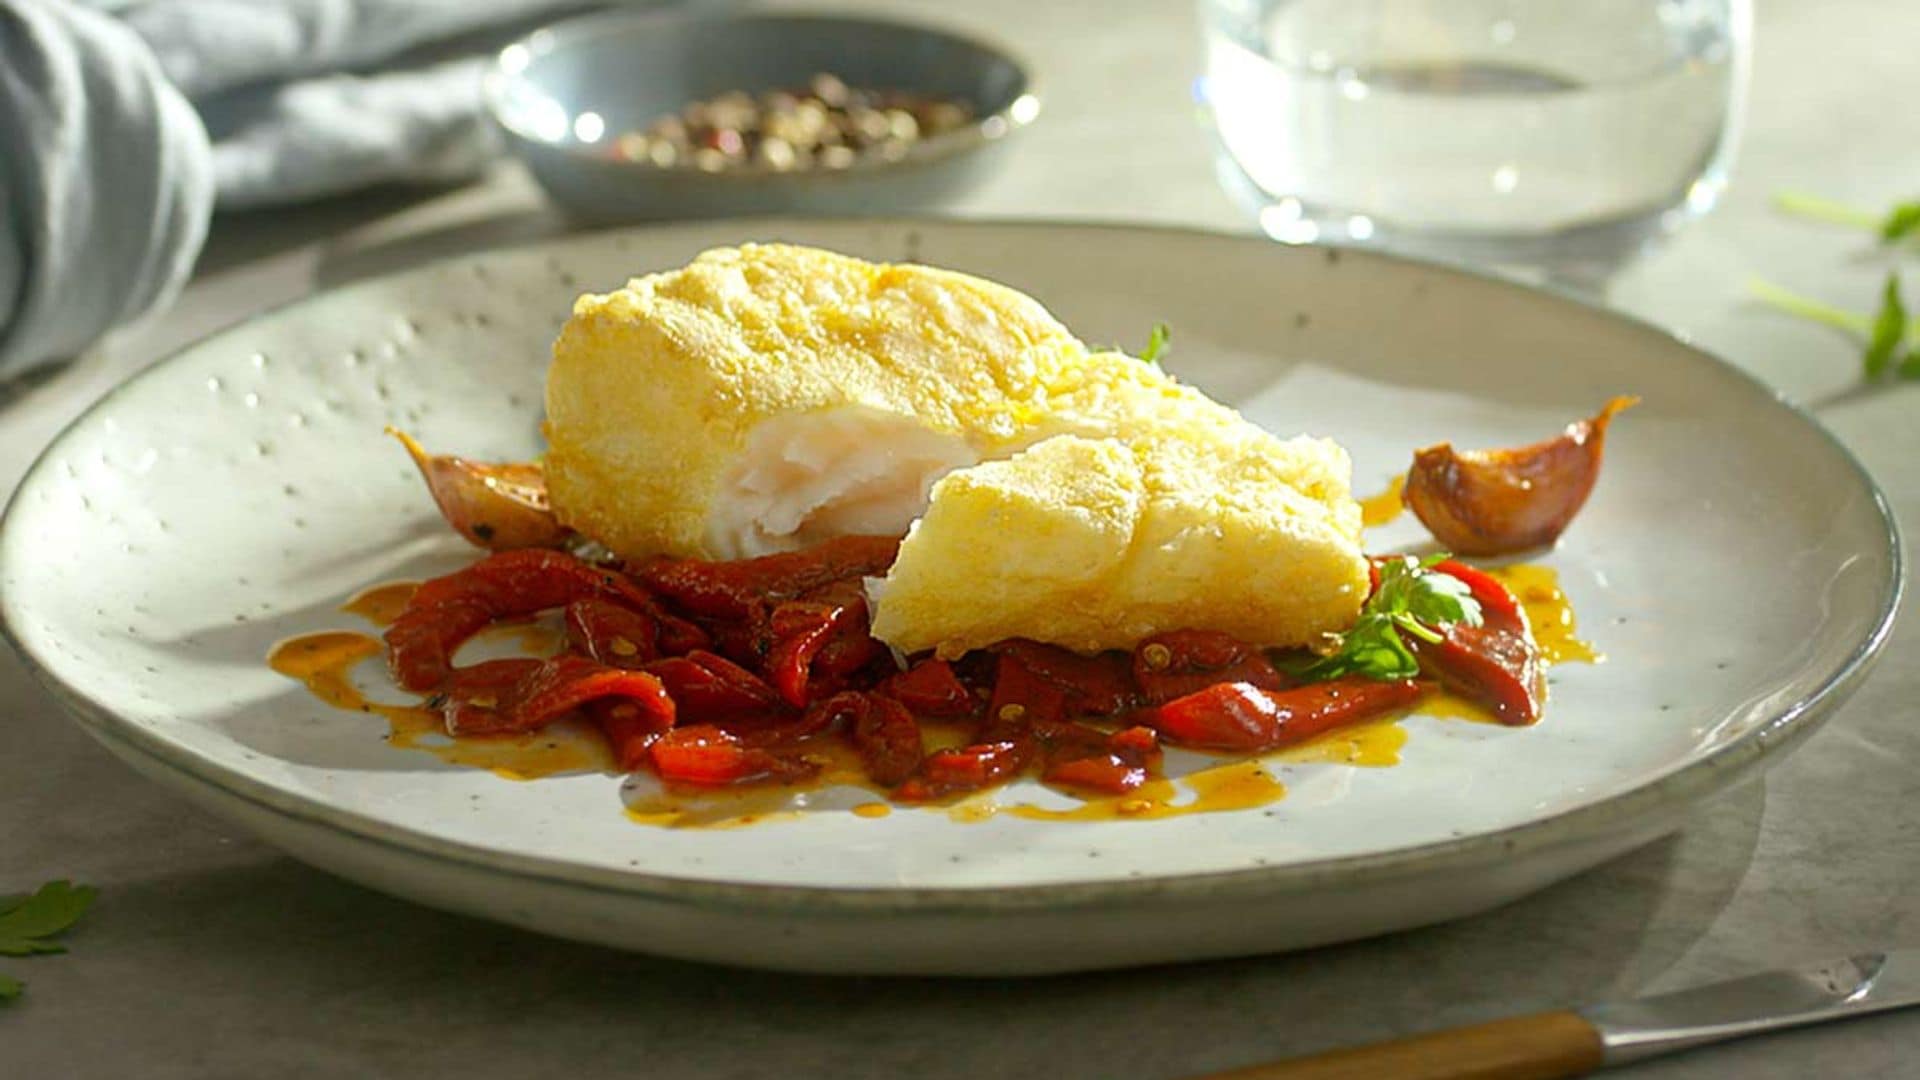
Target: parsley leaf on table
x=28 y=924
x=1412 y=598
x=29 y=921
x=1889 y=338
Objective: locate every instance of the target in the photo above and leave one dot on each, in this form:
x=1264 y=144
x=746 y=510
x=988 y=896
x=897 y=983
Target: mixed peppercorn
x=825 y=125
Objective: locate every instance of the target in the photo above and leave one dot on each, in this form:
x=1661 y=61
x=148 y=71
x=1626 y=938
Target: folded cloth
x=294 y=111
x=210 y=46
x=106 y=180
x=108 y=174
x=319 y=136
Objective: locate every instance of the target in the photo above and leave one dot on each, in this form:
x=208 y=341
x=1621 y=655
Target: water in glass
x=1527 y=131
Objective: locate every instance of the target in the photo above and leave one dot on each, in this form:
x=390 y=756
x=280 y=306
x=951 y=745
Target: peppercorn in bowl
x=627 y=116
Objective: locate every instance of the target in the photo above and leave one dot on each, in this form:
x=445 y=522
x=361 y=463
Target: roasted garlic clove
x=493 y=506
x=1494 y=502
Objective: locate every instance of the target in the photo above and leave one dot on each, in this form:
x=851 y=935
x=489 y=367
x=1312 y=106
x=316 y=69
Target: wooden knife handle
x=1539 y=1047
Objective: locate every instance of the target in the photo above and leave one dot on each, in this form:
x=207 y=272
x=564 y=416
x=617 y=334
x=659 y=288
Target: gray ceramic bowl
x=622 y=70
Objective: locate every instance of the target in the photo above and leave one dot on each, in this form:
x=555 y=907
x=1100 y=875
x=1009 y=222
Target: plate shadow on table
x=362 y=957
x=292 y=724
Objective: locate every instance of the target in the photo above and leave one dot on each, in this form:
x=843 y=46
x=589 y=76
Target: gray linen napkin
x=123 y=123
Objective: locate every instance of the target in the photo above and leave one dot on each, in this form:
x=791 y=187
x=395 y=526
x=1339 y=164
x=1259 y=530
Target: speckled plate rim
x=1686 y=784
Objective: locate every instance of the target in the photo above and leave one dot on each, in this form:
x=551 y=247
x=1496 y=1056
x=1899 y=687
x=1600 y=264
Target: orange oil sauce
x=1236 y=785
x=1377 y=510
x=1446 y=705
x=324 y=664
x=1548 y=612
x=1550 y=616
x=381 y=604
x=731 y=808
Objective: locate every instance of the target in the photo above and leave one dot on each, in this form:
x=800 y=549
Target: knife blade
x=1575 y=1042
x=1650 y=1026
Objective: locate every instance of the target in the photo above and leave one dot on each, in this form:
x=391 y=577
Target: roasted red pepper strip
x=1244 y=718
x=1496 y=664
x=422 y=641
x=888 y=740
x=615 y=635
x=849 y=647
x=483 y=696
x=800 y=631
x=968 y=768
x=1495 y=599
x=744 y=641
x=630 y=730
x=1098 y=685
x=1005 y=744
x=1020 y=696
x=448 y=610
x=1181 y=662
x=930 y=688
x=709 y=687
x=729 y=590
x=880 y=728
x=523 y=582
x=502 y=696
x=1112 y=764
x=709 y=757
x=783 y=728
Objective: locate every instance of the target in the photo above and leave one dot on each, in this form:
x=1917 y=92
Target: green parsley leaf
x=1156 y=343
x=1889 y=337
x=1412 y=598
x=28 y=923
x=56 y=906
x=1443 y=600
x=1901 y=222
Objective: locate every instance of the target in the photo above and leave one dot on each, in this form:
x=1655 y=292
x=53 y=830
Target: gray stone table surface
x=210 y=954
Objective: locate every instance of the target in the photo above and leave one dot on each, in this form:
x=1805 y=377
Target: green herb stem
x=1815 y=208
x=1412 y=626
x=1806 y=307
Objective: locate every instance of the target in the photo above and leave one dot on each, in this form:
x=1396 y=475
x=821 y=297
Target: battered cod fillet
x=768 y=397
x=1097 y=543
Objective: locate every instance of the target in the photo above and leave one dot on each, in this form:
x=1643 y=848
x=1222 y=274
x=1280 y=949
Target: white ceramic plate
x=1736 y=567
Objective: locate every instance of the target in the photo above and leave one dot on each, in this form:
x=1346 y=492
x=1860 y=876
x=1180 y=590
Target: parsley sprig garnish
x=29 y=925
x=1893 y=226
x=1157 y=341
x=1890 y=339
x=1412 y=598
x=1887 y=347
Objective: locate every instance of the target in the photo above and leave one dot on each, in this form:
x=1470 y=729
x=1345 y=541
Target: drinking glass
x=1528 y=132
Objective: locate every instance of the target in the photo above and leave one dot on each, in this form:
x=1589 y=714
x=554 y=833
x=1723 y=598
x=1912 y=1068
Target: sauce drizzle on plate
x=1378 y=510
